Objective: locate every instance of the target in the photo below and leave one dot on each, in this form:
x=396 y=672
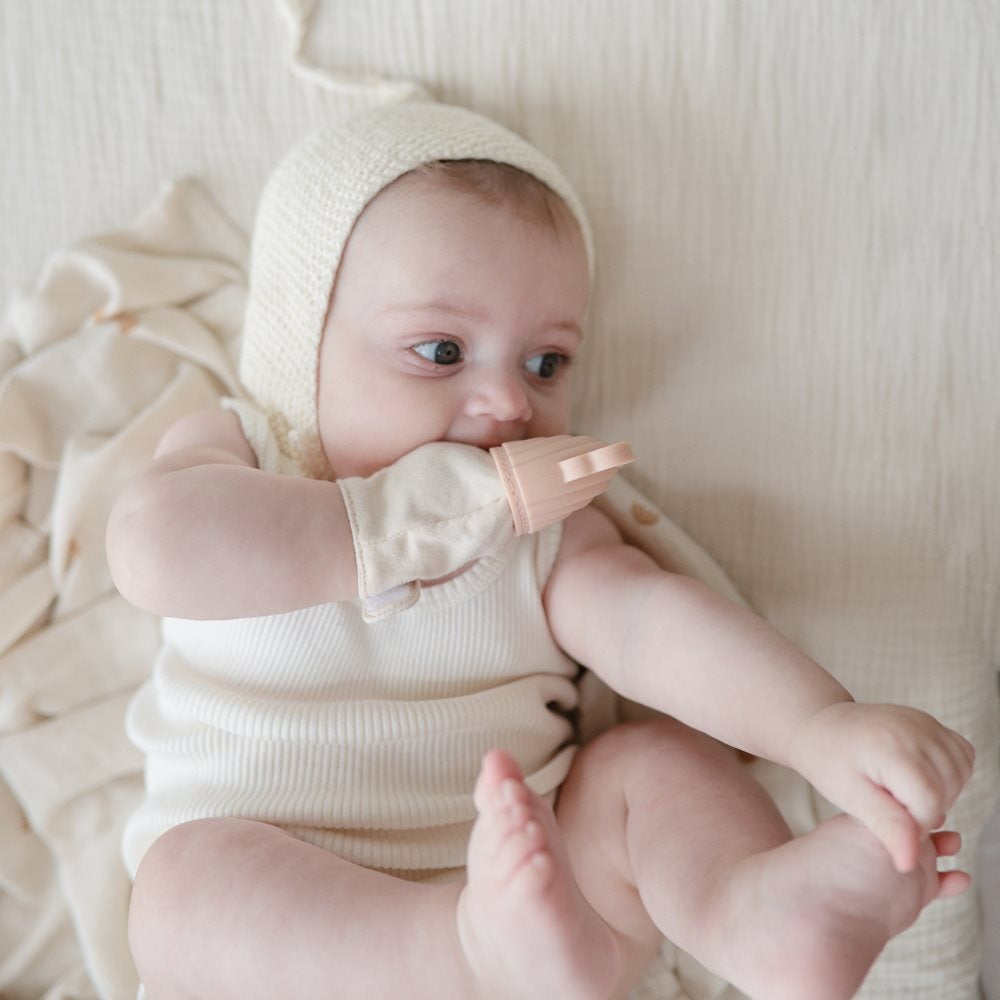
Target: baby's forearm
x=223 y=540
x=725 y=671
x=672 y=643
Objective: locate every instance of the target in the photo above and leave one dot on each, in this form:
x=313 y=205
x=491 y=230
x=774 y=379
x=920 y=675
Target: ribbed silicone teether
x=611 y=456
x=546 y=479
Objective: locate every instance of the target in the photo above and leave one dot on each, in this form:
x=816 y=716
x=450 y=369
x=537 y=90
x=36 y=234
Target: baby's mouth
x=497 y=441
x=492 y=441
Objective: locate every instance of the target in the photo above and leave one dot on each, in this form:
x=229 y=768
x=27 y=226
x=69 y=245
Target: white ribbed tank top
x=363 y=739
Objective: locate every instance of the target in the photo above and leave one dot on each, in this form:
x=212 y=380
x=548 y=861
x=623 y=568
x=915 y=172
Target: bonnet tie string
x=296 y=15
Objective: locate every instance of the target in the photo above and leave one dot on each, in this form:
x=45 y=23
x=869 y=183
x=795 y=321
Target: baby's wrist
x=814 y=736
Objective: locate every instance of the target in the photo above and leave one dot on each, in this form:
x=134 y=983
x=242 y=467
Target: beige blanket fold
x=123 y=334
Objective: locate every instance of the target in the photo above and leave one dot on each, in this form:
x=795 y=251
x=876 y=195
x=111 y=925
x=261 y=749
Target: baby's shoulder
x=585 y=529
x=595 y=554
x=216 y=428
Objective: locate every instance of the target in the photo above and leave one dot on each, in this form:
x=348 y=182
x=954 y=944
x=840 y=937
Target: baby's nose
x=501 y=397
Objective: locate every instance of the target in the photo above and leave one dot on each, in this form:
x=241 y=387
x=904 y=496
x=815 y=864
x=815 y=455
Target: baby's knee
x=163 y=917
x=178 y=860
x=650 y=746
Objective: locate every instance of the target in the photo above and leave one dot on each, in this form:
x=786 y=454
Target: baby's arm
x=202 y=532
x=672 y=643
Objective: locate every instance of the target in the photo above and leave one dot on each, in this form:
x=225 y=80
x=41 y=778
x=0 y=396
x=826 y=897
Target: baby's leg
x=699 y=848
x=659 y=823
x=229 y=908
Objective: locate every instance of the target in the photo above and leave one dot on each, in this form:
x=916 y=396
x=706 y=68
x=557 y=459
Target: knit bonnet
x=306 y=214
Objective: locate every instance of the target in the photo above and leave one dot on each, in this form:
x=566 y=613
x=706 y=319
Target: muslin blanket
x=123 y=334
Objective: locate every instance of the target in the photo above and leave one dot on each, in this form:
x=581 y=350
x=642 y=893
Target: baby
x=361 y=772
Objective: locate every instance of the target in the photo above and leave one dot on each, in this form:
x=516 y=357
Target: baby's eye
x=546 y=365
x=441 y=352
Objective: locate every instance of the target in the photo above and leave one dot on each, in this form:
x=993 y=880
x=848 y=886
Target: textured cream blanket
x=122 y=335
x=794 y=324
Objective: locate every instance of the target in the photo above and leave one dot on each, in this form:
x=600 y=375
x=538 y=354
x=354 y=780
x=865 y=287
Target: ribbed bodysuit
x=364 y=739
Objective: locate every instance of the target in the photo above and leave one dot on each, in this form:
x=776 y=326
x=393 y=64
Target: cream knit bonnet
x=306 y=214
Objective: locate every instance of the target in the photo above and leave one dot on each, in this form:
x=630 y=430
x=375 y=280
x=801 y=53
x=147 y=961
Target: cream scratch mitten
x=444 y=505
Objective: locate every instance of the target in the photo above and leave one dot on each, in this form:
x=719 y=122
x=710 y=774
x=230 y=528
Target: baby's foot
x=813 y=914
x=526 y=928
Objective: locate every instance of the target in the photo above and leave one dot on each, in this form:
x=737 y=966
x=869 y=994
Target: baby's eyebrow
x=470 y=313
x=569 y=325
x=438 y=306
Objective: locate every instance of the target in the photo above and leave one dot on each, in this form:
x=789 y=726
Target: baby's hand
x=444 y=505
x=896 y=769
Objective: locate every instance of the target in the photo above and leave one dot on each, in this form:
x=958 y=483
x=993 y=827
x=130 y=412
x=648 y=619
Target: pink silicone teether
x=611 y=456
x=546 y=479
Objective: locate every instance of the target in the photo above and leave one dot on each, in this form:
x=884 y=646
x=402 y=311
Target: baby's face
x=451 y=320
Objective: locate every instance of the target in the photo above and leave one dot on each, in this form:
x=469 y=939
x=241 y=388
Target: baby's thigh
x=636 y=781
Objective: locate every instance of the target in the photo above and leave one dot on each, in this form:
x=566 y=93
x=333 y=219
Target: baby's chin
x=357 y=467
